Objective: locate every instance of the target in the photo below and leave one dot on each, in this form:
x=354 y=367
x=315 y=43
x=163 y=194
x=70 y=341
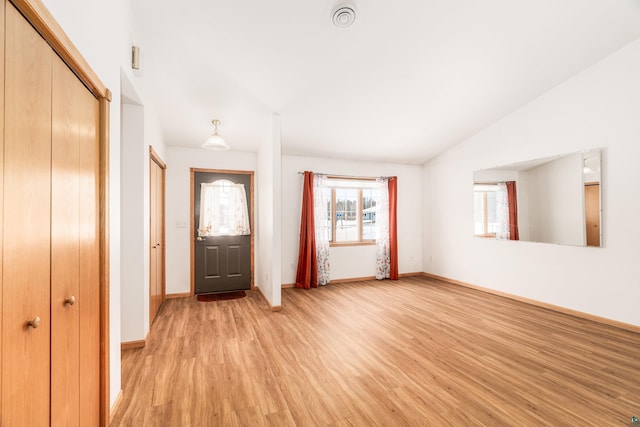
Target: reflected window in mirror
x=495 y=210
x=484 y=210
x=558 y=200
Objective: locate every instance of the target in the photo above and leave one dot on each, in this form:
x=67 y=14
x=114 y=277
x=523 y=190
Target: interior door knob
x=70 y=300
x=34 y=323
x=199 y=239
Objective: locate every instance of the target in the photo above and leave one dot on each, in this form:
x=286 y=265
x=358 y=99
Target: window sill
x=485 y=236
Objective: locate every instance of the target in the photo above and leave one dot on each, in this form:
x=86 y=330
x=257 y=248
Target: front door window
x=223 y=209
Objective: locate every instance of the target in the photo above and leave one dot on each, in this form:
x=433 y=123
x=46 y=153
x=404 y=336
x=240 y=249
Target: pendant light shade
x=215 y=141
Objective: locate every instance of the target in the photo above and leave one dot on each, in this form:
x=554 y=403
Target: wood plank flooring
x=415 y=352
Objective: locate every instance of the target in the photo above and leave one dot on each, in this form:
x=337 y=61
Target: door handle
x=199 y=239
x=34 y=323
x=70 y=300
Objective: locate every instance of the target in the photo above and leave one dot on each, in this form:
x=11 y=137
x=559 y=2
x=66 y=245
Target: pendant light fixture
x=215 y=141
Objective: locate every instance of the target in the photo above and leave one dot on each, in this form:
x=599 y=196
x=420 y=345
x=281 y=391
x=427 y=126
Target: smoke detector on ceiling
x=344 y=16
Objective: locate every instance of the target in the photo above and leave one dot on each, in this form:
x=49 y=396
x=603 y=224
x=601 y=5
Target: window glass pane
x=492 y=224
x=346 y=214
x=478 y=212
x=352 y=210
x=369 y=229
x=329 y=222
x=223 y=209
x=484 y=209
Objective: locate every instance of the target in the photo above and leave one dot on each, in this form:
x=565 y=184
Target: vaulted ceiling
x=407 y=80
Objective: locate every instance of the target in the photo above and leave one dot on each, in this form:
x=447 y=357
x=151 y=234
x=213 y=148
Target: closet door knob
x=34 y=323
x=70 y=301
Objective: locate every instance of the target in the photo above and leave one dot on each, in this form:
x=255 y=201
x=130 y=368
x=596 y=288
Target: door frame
x=155 y=158
x=36 y=13
x=192 y=228
x=599 y=210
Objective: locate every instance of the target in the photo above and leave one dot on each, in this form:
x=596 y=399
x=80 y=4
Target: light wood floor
x=407 y=353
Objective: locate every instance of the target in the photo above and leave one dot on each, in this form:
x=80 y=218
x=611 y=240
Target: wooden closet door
x=2 y=27
x=65 y=245
x=89 y=301
x=26 y=224
x=75 y=297
x=153 y=239
x=156 y=237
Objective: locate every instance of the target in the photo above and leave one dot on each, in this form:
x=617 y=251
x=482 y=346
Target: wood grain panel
x=153 y=241
x=105 y=257
x=416 y=351
x=26 y=252
x=90 y=291
x=156 y=236
x=592 y=213
x=65 y=240
x=2 y=27
x=160 y=211
x=157 y=251
x=43 y=21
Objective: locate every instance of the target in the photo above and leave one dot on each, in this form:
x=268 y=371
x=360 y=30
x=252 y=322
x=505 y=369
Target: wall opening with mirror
x=551 y=200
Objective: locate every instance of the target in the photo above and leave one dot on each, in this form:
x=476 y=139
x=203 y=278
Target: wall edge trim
x=271 y=307
x=127 y=345
x=115 y=405
x=564 y=310
x=179 y=295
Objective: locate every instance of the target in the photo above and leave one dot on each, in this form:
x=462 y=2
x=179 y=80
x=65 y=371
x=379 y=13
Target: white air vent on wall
x=344 y=16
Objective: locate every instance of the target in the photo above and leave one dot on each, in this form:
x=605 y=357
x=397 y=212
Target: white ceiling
x=407 y=80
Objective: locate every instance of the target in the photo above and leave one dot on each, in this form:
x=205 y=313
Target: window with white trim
x=351 y=211
x=484 y=210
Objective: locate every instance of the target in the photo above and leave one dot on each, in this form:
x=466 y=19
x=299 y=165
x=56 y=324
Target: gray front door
x=222 y=263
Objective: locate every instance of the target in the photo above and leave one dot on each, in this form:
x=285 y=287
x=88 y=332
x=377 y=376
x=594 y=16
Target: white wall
x=495 y=175
x=596 y=108
x=139 y=130
x=268 y=274
x=556 y=201
x=353 y=261
x=178 y=205
x=134 y=261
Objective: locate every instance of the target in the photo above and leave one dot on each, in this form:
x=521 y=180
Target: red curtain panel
x=393 y=228
x=513 y=210
x=307 y=274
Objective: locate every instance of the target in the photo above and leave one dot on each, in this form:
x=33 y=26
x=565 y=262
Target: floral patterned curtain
x=223 y=209
x=383 y=264
x=502 y=212
x=322 y=226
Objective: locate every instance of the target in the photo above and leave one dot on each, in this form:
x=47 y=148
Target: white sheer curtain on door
x=383 y=251
x=502 y=212
x=322 y=226
x=223 y=209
